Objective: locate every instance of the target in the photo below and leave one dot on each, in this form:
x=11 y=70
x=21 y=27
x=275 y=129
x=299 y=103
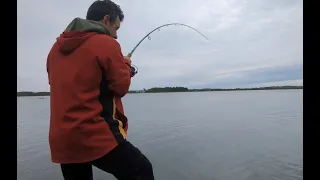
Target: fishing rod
x=134 y=69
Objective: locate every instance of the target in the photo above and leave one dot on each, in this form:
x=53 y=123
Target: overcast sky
x=251 y=42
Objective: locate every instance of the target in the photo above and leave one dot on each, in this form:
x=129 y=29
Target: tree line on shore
x=175 y=89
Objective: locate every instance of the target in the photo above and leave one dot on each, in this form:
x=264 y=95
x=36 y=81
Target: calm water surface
x=244 y=135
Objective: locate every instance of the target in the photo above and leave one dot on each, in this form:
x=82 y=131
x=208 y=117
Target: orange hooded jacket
x=88 y=76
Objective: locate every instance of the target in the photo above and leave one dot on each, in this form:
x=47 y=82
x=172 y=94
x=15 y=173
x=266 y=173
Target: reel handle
x=133 y=69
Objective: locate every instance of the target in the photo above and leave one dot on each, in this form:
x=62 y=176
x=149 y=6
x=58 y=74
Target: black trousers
x=125 y=162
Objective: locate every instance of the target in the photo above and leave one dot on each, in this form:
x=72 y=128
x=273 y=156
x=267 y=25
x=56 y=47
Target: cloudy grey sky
x=251 y=42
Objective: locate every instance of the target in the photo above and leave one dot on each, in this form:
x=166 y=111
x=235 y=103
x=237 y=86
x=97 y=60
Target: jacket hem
x=90 y=159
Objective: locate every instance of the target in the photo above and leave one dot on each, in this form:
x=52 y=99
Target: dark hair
x=100 y=8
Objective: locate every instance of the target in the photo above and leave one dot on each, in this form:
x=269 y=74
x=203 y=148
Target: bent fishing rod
x=134 y=69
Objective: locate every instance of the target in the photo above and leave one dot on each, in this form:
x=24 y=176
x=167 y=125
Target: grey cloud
x=233 y=78
x=245 y=36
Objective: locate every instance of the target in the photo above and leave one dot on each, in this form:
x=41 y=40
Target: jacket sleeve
x=117 y=70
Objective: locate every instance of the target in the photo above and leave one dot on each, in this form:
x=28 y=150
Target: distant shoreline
x=176 y=89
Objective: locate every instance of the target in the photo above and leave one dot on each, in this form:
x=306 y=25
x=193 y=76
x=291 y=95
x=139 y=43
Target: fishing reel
x=134 y=70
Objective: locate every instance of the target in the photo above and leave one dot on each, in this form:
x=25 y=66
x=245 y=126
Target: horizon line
x=195 y=88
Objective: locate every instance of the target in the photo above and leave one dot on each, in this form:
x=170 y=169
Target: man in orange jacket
x=88 y=76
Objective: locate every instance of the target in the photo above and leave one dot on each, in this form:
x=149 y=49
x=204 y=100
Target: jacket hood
x=77 y=32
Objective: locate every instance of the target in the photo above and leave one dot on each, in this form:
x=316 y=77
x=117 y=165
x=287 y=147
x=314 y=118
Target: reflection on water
x=247 y=135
